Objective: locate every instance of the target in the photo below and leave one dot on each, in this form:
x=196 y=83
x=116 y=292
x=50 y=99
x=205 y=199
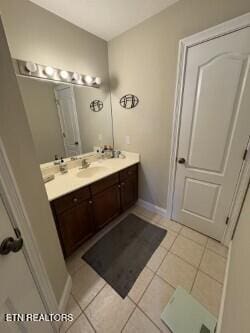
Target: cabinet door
x=106 y=205
x=129 y=191
x=75 y=226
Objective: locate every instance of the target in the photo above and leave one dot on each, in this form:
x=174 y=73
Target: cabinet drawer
x=70 y=200
x=101 y=185
x=128 y=172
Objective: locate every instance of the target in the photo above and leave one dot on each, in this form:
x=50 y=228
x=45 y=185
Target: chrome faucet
x=57 y=161
x=85 y=164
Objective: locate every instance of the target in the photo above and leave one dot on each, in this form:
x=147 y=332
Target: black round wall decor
x=96 y=105
x=129 y=101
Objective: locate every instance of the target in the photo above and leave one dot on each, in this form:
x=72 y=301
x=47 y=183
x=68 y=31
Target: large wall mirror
x=61 y=118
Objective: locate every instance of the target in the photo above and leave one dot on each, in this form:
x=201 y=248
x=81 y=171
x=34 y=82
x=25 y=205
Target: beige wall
x=92 y=124
x=37 y=35
x=39 y=102
x=237 y=303
x=143 y=61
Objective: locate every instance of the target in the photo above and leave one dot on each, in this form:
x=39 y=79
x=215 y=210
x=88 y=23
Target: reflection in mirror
x=61 y=120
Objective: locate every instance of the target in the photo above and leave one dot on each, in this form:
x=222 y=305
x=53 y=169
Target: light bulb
x=49 y=70
x=64 y=75
x=88 y=79
x=98 y=80
x=76 y=76
x=31 y=67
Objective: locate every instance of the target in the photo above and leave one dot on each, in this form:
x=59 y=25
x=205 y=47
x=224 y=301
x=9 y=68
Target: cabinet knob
x=119 y=186
x=75 y=200
x=90 y=202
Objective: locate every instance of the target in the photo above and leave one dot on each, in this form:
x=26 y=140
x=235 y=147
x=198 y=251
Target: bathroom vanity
x=70 y=120
x=109 y=187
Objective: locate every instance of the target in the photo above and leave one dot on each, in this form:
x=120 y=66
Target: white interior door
x=18 y=292
x=214 y=131
x=68 y=118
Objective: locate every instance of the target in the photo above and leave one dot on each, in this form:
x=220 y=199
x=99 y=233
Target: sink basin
x=112 y=162
x=90 y=172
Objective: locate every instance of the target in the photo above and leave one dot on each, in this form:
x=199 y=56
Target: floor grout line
x=154 y=275
x=75 y=319
x=91 y=324
x=207 y=248
x=189 y=238
x=211 y=277
x=94 y=297
x=198 y=268
x=161 y=278
x=183 y=259
x=129 y=315
x=138 y=306
x=145 y=288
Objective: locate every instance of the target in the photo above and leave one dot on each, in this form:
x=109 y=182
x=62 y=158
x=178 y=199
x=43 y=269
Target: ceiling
x=105 y=18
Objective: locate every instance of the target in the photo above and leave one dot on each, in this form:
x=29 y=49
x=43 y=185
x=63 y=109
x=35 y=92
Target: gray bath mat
x=120 y=256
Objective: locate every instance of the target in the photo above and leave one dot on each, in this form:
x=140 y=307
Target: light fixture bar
x=43 y=72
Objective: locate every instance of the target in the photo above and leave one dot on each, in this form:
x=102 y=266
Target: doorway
x=66 y=105
x=211 y=126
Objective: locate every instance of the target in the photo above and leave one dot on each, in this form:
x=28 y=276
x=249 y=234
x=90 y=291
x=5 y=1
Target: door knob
x=10 y=244
x=76 y=143
x=181 y=160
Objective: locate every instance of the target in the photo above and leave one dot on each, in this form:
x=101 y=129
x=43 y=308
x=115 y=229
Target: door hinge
x=227 y=220
x=245 y=154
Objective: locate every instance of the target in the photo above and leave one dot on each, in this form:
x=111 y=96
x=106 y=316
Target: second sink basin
x=91 y=171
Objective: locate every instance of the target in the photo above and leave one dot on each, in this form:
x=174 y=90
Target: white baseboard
x=224 y=291
x=65 y=295
x=151 y=207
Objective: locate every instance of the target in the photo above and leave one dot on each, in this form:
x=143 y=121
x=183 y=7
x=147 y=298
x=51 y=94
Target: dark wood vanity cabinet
x=80 y=214
x=106 y=206
x=129 y=187
x=74 y=219
x=75 y=225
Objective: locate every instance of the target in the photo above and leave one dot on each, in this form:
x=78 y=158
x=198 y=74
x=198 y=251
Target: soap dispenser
x=63 y=166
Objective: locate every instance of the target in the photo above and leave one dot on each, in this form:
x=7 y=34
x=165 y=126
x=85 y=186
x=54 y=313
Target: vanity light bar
x=30 y=69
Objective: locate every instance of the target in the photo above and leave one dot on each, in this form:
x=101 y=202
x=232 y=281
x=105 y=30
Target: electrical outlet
x=127 y=140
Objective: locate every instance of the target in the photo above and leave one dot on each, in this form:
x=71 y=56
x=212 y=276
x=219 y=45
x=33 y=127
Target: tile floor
x=184 y=258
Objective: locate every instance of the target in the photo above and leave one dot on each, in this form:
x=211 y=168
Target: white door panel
x=215 y=126
x=18 y=293
x=214 y=109
x=208 y=192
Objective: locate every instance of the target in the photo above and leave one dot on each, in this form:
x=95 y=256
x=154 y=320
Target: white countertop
x=76 y=178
